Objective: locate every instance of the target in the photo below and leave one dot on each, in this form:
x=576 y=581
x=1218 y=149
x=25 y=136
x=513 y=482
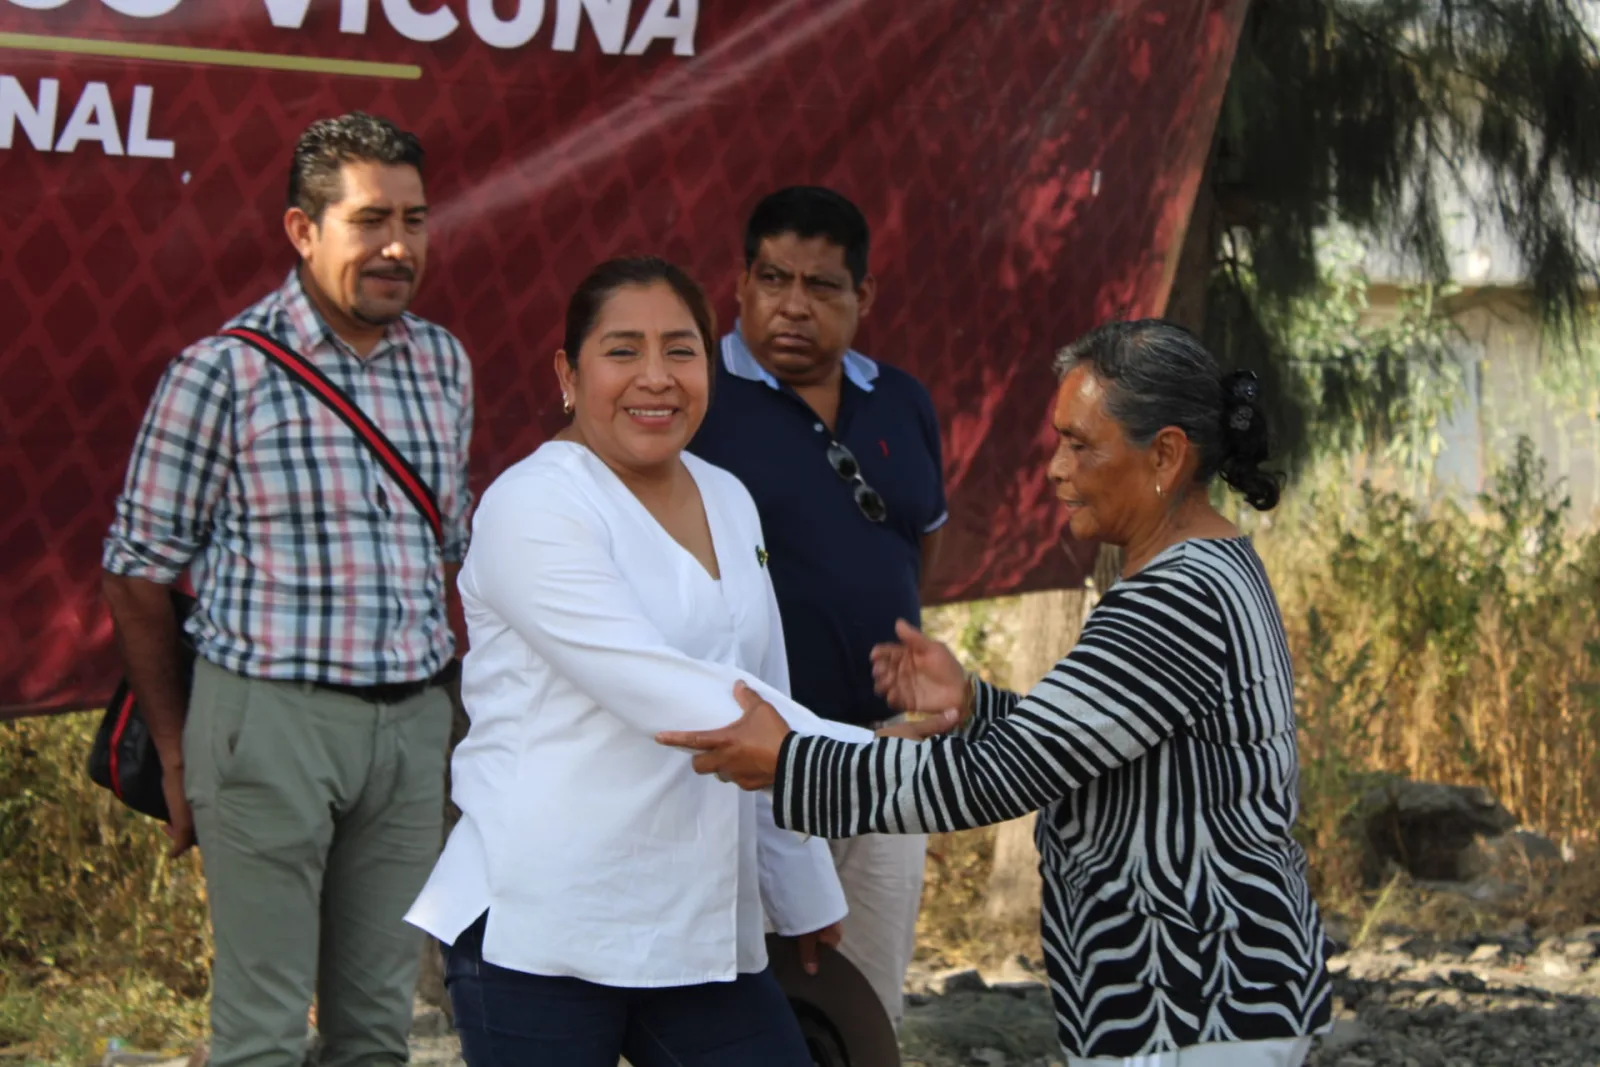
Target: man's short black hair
x=328 y=144
x=810 y=211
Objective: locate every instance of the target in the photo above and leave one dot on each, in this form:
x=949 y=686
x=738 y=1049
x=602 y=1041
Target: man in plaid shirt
x=308 y=760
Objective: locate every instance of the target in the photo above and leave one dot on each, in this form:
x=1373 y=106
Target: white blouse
x=598 y=853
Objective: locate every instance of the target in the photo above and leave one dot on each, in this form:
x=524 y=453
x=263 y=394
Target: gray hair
x=1157 y=374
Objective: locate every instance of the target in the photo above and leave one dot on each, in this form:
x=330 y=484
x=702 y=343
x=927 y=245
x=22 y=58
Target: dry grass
x=1446 y=646
x=1559 y=897
x=955 y=929
x=101 y=936
x=1571 y=897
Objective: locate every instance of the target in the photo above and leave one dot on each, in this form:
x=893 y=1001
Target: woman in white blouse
x=598 y=897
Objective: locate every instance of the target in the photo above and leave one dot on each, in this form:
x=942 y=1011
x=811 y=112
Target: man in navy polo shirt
x=841 y=454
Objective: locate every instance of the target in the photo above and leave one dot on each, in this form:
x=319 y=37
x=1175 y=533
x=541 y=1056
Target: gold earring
x=566 y=404
x=1160 y=491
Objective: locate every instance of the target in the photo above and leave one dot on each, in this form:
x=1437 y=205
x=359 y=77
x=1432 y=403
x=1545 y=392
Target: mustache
x=392 y=273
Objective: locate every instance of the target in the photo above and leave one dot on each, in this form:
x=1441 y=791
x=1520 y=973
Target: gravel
x=1407 y=1001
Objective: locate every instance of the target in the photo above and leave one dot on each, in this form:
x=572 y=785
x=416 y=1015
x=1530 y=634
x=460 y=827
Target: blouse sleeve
x=800 y=889
x=540 y=559
x=1151 y=658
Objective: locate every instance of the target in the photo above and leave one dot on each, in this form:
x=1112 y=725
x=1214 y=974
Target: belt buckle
x=391 y=692
x=397 y=692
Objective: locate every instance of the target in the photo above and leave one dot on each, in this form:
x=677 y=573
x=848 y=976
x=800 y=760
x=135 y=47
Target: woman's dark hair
x=1157 y=374
x=583 y=310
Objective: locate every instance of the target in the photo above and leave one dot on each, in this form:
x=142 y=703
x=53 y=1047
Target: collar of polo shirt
x=741 y=362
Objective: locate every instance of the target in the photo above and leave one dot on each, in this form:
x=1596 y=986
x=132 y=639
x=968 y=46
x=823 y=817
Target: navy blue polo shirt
x=841 y=579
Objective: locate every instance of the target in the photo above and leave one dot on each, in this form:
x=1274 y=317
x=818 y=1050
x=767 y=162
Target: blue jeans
x=510 y=1019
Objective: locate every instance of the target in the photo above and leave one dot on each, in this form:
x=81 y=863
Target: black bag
x=123 y=757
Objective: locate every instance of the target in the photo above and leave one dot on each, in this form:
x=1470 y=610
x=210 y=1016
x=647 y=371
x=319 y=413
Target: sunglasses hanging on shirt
x=867 y=498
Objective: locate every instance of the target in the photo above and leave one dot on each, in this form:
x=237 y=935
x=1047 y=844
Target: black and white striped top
x=1162 y=752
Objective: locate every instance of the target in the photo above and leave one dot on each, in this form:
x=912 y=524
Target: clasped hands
x=916 y=675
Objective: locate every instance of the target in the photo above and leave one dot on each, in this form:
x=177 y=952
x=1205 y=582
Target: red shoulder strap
x=387 y=455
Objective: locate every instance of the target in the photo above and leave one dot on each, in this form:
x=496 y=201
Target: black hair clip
x=1243 y=387
x=1240 y=390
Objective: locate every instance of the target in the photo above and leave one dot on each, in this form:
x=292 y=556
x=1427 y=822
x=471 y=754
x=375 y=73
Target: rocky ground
x=1491 y=1001
x=1407 y=1001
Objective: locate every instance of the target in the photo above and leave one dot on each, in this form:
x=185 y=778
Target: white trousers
x=1282 y=1052
x=881 y=875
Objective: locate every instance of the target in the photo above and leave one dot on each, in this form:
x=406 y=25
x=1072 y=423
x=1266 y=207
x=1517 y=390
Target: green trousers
x=318 y=817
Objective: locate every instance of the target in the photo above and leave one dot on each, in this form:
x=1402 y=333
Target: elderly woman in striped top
x=1177 y=924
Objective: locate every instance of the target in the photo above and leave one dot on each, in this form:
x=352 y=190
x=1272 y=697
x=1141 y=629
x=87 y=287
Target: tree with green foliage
x=1370 y=116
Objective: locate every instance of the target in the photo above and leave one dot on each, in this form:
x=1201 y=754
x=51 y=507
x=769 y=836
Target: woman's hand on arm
x=744 y=752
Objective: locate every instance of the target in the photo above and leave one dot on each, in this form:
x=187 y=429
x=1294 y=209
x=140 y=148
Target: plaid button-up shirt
x=308 y=562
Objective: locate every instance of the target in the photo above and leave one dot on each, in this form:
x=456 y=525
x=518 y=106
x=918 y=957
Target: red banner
x=1027 y=167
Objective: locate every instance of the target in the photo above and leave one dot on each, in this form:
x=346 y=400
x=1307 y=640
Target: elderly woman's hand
x=918 y=674
x=744 y=752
